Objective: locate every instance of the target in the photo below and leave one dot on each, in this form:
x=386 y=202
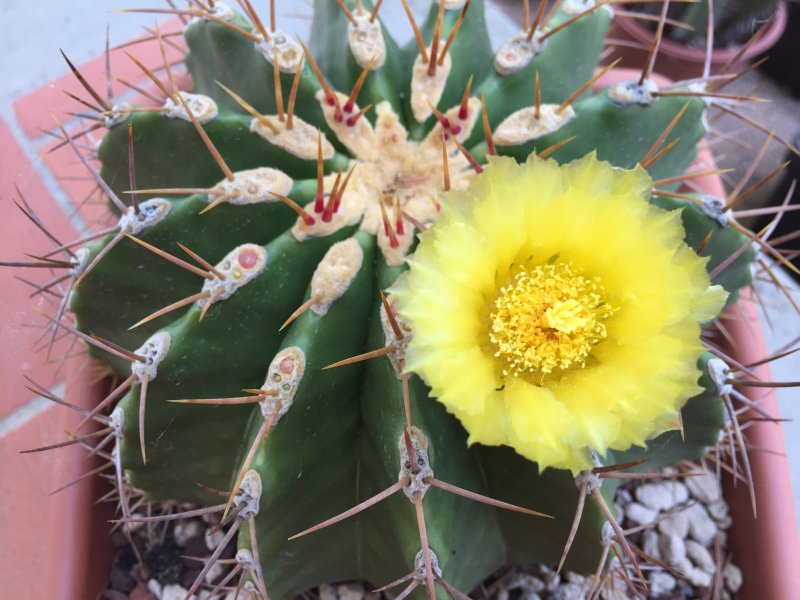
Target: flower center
x=548 y=319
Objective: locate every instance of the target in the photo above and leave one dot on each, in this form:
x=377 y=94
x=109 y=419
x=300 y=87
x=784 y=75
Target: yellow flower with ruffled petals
x=556 y=311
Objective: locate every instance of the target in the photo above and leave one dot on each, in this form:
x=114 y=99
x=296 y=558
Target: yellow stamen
x=548 y=319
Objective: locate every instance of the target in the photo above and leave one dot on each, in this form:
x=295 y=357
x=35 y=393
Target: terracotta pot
x=764 y=546
x=680 y=62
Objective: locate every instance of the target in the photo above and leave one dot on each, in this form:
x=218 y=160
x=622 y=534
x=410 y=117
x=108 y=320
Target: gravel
x=683 y=526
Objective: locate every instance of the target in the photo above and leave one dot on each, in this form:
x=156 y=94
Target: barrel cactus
x=375 y=394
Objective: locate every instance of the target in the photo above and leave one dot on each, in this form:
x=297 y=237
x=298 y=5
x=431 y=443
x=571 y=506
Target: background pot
x=680 y=62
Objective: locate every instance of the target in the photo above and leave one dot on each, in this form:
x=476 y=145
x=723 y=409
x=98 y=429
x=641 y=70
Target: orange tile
x=73 y=178
x=19 y=235
x=47 y=538
x=34 y=110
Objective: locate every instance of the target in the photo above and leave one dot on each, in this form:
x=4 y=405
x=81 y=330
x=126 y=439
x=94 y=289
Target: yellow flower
x=556 y=311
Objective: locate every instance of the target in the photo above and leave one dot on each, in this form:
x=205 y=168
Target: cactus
x=265 y=357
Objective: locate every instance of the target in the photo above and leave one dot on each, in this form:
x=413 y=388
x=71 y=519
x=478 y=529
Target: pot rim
x=719 y=56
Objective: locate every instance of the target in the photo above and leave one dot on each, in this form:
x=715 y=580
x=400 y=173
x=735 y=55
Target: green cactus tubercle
x=304 y=443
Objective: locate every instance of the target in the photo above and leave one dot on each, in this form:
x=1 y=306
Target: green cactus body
x=324 y=440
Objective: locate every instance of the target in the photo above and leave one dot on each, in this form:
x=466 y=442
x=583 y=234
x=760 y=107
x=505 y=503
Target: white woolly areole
x=283 y=378
x=150 y=212
x=154 y=350
x=417 y=483
x=203 y=108
x=222 y=11
x=246 y=502
x=366 y=41
x=240 y=266
x=115 y=117
x=117 y=419
x=300 y=140
x=522 y=126
x=419 y=566
x=290 y=54
x=358 y=136
x=398 y=356
x=219 y=10
x=714 y=208
x=426 y=91
x=607 y=533
x=591 y=480
x=718 y=372
x=79 y=262
x=452 y=4
x=518 y=52
x=628 y=93
x=700 y=88
x=253 y=186
x=575 y=7
x=245 y=558
x=335 y=273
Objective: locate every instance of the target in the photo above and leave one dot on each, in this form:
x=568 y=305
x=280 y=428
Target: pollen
x=547 y=320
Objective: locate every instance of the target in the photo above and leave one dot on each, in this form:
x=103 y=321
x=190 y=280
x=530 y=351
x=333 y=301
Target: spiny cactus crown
x=242 y=294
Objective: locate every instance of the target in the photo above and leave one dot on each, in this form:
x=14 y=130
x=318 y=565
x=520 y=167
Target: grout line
x=29 y=411
x=45 y=175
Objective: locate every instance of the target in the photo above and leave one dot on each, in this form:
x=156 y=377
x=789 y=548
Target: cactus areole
x=263 y=222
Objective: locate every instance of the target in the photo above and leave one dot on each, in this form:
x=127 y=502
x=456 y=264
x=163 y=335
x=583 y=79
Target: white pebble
x=244 y=594
x=618 y=589
x=699 y=578
x=673 y=550
x=186 y=530
x=173 y=591
x=327 y=592
x=135 y=525
x=351 y=591
x=640 y=514
x=683 y=568
x=720 y=512
x=551 y=579
x=732 y=575
x=527 y=583
x=705 y=488
x=575 y=578
x=214 y=539
x=154 y=587
x=650 y=544
x=701 y=526
x=662 y=495
x=570 y=591
x=661 y=583
x=676 y=523
x=214 y=572
x=722 y=536
x=700 y=557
